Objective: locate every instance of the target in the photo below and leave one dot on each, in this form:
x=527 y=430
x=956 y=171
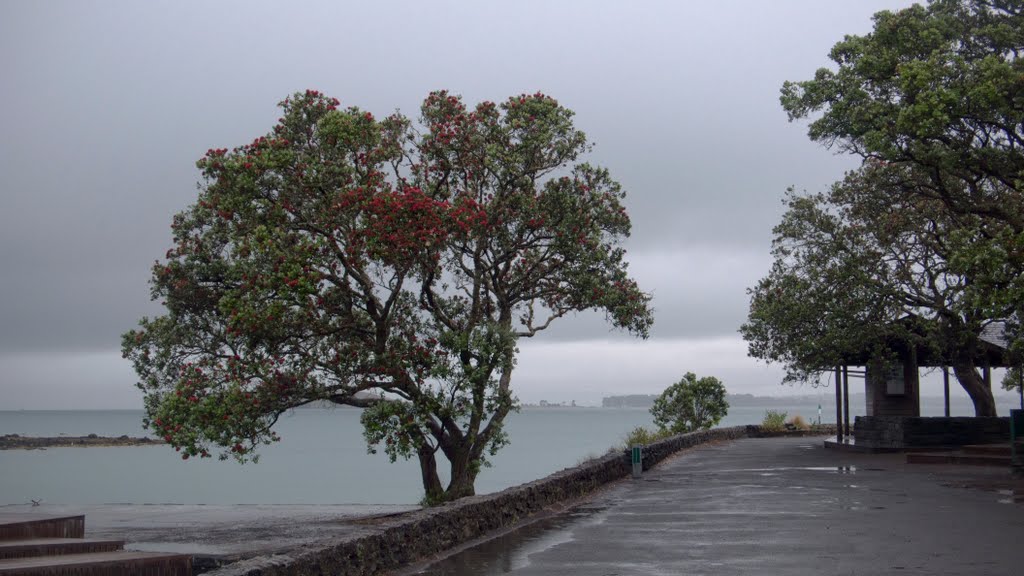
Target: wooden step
x=56 y=546
x=957 y=458
x=101 y=564
x=28 y=526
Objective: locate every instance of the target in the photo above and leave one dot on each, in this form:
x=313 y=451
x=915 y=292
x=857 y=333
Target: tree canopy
x=939 y=91
x=690 y=404
x=383 y=264
x=859 y=270
x=931 y=227
x=939 y=88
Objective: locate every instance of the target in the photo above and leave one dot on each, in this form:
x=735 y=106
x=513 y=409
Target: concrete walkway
x=774 y=506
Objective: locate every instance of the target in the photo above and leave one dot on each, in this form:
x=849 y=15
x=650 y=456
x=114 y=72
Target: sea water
x=321 y=459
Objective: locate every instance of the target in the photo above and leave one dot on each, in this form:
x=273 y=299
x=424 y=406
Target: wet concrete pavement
x=773 y=506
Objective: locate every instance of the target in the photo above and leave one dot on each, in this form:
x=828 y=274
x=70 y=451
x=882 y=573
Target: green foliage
x=798 y=315
x=774 y=421
x=937 y=87
x=372 y=263
x=865 y=268
x=923 y=244
x=642 y=436
x=935 y=92
x=690 y=404
x=1012 y=379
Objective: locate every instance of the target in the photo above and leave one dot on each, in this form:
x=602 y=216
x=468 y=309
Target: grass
x=798 y=422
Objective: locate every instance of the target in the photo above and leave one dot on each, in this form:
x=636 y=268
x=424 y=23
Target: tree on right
x=857 y=269
x=925 y=241
x=937 y=91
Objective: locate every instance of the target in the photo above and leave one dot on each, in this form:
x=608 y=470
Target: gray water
x=321 y=459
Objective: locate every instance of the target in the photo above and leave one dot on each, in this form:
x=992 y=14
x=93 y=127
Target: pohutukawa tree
x=938 y=89
x=381 y=264
x=861 y=267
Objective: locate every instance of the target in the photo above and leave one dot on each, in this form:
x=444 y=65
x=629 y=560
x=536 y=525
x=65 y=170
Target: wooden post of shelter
x=839 y=405
x=945 y=387
x=846 y=401
x=1020 y=384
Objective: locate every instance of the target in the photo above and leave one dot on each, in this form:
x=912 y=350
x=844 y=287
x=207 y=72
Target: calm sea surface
x=320 y=460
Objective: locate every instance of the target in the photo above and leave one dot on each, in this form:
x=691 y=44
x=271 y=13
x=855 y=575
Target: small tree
x=690 y=404
x=371 y=263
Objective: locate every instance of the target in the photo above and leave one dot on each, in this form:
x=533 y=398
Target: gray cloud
x=106 y=106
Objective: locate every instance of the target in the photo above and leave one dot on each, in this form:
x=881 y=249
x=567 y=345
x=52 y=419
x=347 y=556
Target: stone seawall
x=430 y=531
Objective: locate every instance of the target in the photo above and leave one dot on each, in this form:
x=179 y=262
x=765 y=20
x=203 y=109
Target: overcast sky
x=106 y=106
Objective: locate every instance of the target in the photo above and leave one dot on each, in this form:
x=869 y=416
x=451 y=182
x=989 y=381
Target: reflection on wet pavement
x=512 y=551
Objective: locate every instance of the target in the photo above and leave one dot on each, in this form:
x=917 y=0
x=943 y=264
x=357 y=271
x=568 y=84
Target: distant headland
x=735 y=400
x=18 y=442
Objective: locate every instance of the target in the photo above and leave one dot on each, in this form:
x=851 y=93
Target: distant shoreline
x=19 y=442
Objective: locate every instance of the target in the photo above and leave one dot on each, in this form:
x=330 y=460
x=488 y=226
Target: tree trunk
x=432 y=488
x=463 y=475
x=981 y=395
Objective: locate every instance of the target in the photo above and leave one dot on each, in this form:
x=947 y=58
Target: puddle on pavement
x=837 y=469
x=775 y=471
x=1003 y=495
x=512 y=551
x=1010 y=497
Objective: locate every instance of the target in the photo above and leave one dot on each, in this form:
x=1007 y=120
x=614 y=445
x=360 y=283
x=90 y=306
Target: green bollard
x=637 y=457
x=1017 y=441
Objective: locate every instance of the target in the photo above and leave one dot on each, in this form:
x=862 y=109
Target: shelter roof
x=911 y=337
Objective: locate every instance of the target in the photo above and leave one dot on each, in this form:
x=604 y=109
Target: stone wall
x=655 y=453
x=814 y=430
x=900 y=432
x=430 y=531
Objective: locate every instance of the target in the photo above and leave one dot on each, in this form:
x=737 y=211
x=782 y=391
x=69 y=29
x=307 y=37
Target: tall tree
x=939 y=90
x=860 y=268
x=380 y=264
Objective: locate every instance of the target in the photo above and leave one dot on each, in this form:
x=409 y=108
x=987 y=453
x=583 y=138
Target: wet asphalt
x=773 y=506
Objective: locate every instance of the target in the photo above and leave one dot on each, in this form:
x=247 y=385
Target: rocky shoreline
x=18 y=442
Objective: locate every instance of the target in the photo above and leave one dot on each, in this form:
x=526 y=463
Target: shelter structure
x=892 y=394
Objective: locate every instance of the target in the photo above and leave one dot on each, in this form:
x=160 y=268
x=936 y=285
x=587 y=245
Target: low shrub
x=774 y=421
x=643 y=436
x=798 y=423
